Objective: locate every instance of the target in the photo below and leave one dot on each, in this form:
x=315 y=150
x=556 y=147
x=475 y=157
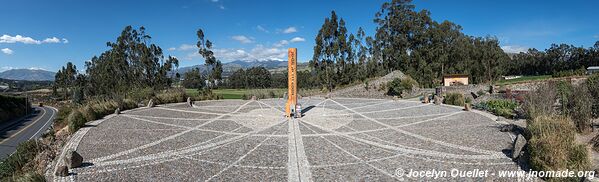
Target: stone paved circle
x=339 y=139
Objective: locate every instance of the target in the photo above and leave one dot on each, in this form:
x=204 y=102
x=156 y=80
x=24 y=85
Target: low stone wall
x=466 y=89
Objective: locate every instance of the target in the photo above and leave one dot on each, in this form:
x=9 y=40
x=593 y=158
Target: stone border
x=73 y=143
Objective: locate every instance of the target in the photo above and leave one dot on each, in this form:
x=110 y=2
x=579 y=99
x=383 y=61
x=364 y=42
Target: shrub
x=455 y=99
x=88 y=113
x=29 y=177
x=171 y=96
x=468 y=100
x=579 y=108
x=127 y=104
x=552 y=146
x=12 y=107
x=564 y=90
x=76 y=121
x=401 y=86
x=499 y=107
x=592 y=84
x=567 y=73
x=207 y=94
x=61 y=117
x=141 y=94
x=540 y=101
x=13 y=164
x=481 y=92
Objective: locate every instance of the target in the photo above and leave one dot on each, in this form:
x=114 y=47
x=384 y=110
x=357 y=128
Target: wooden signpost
x=290 y=107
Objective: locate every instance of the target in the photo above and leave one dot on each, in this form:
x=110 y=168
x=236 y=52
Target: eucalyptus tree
x=131 y=62
x=214 y=65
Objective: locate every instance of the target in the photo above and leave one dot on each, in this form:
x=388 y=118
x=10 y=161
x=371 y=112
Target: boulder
x=62 y=171
x=73 y=159
x=507 y=128
x=473 y=95
x=151 y=103
x=253 y=97
x=467 y=107
x=425 y=99
x=189 y=103
x=518 y=146
x=117 y=111
x=437 y=100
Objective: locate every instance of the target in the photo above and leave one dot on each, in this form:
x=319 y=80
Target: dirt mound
x=373 y=88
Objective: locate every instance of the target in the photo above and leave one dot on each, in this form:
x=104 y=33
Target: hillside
x=28 y=74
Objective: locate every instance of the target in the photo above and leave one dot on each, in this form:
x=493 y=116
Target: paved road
x=338 y=139
x=30 y=127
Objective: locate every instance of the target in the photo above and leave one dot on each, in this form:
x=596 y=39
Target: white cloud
x=259 y=53
x=290 y=30
x=287 y=42
x=297 y=39
x=221 y=7
x=214 y=1
x=514 y=49
x=281 y=43
x=65 y=41
x=183 y=47
x=262 y=29
x=28 y=40
x=7 y=51
x=51 y=40
x=242 y=39
x=25 y=40
x=186 y=47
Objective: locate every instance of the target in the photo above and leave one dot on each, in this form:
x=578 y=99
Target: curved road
x=27 y=128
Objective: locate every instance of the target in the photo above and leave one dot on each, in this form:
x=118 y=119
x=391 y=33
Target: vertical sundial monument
x=291 y=105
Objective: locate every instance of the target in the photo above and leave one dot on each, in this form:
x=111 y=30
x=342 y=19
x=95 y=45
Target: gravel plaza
x=338 y=139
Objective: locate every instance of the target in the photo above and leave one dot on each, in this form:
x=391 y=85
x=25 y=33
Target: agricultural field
x=524 y=79
x=239 y=93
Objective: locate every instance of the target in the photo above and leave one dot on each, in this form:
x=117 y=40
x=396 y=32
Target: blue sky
x=47 y=34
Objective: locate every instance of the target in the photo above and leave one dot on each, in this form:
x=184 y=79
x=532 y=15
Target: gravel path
x=339 y=139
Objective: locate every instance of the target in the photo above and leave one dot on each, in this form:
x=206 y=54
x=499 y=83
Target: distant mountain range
x=28 y=74
x=228 y=68
x=233 y=66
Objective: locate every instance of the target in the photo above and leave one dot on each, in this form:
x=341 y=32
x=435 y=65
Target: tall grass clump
x=456 y=99
x=93 y=110
x=13 y=164
x=579 y=108
x=76 y=121
x=552 y=146
x=540 y=101
x=171 y=96
x=592 y=84
x=29 y=177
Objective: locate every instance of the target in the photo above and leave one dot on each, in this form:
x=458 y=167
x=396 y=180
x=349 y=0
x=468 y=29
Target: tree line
x=260 y=77
x=134 y=63
x=131 y=62
x=557 y=60
x=406 y=40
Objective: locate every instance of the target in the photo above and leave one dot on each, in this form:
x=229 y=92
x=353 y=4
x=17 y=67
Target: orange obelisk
x=291 y=82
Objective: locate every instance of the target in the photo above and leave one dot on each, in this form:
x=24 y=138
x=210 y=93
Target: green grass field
x=524 y=79
x=238 y=93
